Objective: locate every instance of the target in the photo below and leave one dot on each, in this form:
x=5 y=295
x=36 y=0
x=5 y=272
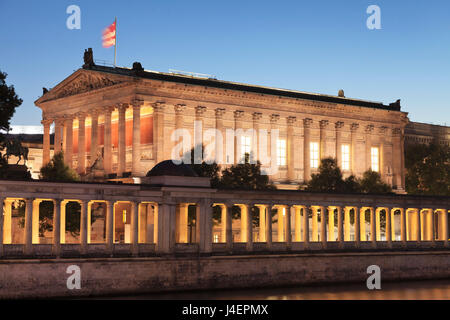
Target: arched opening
x=70 y=221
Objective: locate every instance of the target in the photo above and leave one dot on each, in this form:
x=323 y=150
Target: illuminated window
x=246 y=142
x=314 y=155
x=375 y=159
x=345 y=149
x=216 y=238
x=281 y=152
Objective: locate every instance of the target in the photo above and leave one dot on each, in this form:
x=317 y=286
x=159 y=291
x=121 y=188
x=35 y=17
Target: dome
x=168 y=168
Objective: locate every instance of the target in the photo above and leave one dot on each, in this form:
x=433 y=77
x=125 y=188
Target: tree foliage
x=428 y=169
x=58 y=171
x=9 y=101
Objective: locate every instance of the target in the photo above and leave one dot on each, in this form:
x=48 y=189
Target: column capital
x=323 y=124
x=94 y=113
x=396 y=131
x=200 y=110
x=107 y=110
x=219 y=112
x=274 y=118
x=137 y=103
x=122 y=107
x=256 y=116
x=354 y=127
x=47 y=122
x=383 y=129
x=307 y=122
x=238 y=114
x=81 y=115
x=369 y=128
x=339 y=125
x=179 y=108
x=291 y=120
x=158 y=106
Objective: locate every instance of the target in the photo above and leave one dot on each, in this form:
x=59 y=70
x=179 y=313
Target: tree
x=371 y=183
x=245 y=176
x=428 y=169
x=330 y=180
x=57 y=170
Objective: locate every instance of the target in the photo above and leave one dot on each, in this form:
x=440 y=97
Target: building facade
x=121 y=122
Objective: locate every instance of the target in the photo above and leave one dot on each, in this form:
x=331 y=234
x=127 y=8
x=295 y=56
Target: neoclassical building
x=120 y=122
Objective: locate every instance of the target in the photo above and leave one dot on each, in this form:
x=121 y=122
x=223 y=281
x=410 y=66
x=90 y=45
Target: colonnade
x=295 y=223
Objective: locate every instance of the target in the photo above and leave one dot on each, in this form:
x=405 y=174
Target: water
x=417 y=290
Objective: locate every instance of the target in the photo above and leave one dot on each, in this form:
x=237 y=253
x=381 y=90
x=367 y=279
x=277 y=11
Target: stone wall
x=47 y=278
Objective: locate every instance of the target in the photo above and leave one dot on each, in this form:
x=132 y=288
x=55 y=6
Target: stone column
x=383 y=162
x=357 y=226
x=403 y=226
x=323 y=226
x=238 y=115
x=347 y=224
x=134 y=228
x=373 y=228
x=340 y=224
x=314 y=225
x=68 y=150
x=204 y=226
x=56 y=227
x=268 y=209
x=389 y=226
x=281 y=223
x=183 y=223
x=339 y=125
x=323 y=138
x=179 y=125
x=255 y=139
x=107 y=145
x=369 y=130
x=223 y=222
x=94 y=136
x=198 y=134
x=220 y=143
x=84 y=226
x=35 y=227
x=273 y=148
x=166 y=228
x=290 y=210
x=397 y=157
x=158 y=131
x=2 y=213
x=122 y=149
x=249 y=242
x=46 y=141
x=306 y=227
x=229 y=230
x=81 y=143
x=136 y=155
x=58 y=135
x=290 y=148
x=110 y=226
x=306 y=149
x=354 y=130
x=28 y=232
x=262 y=223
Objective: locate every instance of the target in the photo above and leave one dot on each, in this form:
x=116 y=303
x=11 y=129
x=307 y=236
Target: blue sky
x=315 y=46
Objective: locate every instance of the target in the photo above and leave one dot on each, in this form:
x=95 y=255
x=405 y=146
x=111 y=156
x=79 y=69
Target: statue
x=44 y=91
x=88 y=58
x=341 y=93
x=14 y=148
x=137 y=66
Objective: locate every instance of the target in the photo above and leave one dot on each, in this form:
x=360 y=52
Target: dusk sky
x=313 y=46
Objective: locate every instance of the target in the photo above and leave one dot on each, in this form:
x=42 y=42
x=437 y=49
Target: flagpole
x=115 y=42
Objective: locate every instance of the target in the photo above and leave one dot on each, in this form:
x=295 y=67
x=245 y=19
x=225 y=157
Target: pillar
x=362 y=224
x=35 y=227
x=179 y=125
x=255 y=139
x=223 y=219
x=305 y=227
x=244 y=223
x=238 y=115
x=198 y=134
x=272 y=147
x=68 y=143
x=220 y=142
x=323 y=138
x=347 y=223
x=58 y=136
x=166 y=228
x=122 y=150
x=397 y=157
x=314 y=225
x=330 y=230
x=134 y=228
x=7 y=222
x=323 y=226
x=229 y=229
x=369 y=130
x=110 y=226
x=373 y=228
x=403 y=226
x=338 y=126
x=357 y=226
x=2 y=213
x=56 y=227
x=281 y=223
x=182 y=223
x=136 y=154
x=46 y=141
x=249 y=242
x=142 y=222
x=389 y=226
x=107 y=141
x=298 y=224
x=340 y=224
x=84 y=226
x=28 y=239
x=204 y=226
x=354 y=130
x=268 y=210
x=94 y=137
x=81 y=143
x=158 y=131
x=289 y=211
x=306 y=149
x=290 y=148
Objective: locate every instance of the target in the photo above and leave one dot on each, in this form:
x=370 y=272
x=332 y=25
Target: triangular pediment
x=81 y=82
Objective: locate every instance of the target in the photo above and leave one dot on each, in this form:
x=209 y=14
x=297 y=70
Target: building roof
x=214 y=83
x=169 y=168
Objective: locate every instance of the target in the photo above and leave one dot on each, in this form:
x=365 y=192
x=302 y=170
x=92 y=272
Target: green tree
x=371 y=183
x=330 y=180
x=428 y=169
x=58 y=171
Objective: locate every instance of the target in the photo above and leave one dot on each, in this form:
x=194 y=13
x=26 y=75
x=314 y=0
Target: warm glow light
x=281 y=152
x=314 y=154
x=375 y=159
x=124 y=214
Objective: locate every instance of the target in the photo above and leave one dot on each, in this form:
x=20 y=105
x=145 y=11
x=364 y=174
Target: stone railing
x=154 y=220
